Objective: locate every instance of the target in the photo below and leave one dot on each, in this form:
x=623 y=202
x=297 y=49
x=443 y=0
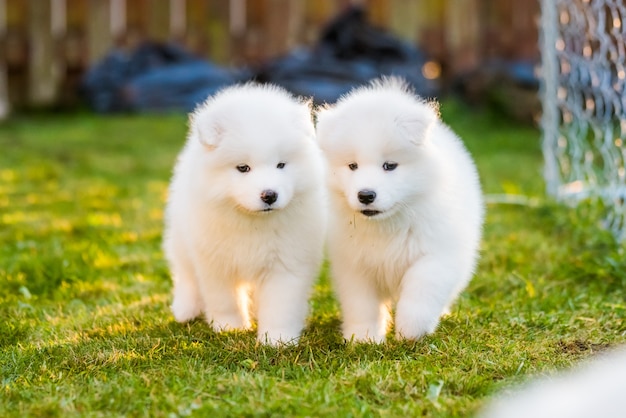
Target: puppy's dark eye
x=280 y=165
x=353 y=166
x=243 y=168
x=389 y=166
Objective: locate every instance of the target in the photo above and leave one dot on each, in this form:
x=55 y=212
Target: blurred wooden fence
x=45 y=45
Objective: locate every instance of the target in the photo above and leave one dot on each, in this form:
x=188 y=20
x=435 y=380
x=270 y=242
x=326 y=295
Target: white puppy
x=246 y=213
x=597 y=388
x=406 y=210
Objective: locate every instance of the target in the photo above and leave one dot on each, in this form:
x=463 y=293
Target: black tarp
x=350 y=52
x=154 y=77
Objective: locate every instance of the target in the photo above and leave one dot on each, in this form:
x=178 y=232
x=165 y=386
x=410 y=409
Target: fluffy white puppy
x=406 y=210
x=245 y=217
x=595 y=389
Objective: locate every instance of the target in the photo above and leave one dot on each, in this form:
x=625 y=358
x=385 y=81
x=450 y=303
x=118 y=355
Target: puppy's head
x=377 y=143
x=256 y=146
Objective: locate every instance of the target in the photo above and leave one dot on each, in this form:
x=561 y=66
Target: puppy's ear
x=206 y=129
x=416 y=126
x=210 y=136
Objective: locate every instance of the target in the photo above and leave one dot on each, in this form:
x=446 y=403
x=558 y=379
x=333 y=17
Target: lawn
x=85 y=328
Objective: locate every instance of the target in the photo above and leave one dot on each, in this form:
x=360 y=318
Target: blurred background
x=147 y=55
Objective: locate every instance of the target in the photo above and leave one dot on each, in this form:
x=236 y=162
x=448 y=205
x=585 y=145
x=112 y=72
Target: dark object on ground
x=510 y=86
x=154 y=77
x=161 y=77
x=350 y=52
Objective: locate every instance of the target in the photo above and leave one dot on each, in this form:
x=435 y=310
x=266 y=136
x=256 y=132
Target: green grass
x=85 y=328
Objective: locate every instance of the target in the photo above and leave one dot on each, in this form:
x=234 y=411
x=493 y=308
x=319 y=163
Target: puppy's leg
x=222 y=302
x=427 y=289
x=365 y=315
x=187 y=301
x=282 y=306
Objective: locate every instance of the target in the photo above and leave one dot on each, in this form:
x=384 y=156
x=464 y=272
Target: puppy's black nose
x=269 y=196
x=366 y=196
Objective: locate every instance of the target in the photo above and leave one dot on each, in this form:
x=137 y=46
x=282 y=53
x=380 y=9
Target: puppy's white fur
x=419 y=249
x=223 y=242
x=596 y=388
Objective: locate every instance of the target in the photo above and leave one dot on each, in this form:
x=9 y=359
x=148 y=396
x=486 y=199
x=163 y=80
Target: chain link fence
x=583 y=46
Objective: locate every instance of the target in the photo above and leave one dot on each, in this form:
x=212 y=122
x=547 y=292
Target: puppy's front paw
x=364 y=333
x=278 y=337
x=226 y=322
x=413 y=325
x=185 y=310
